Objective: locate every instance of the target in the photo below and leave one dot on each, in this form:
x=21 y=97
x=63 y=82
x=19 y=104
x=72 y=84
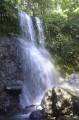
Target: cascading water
x=40 y=37
x=27 y=30
x=38 y=71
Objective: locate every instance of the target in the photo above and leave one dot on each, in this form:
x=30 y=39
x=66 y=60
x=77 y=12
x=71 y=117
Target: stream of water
x=38 y=71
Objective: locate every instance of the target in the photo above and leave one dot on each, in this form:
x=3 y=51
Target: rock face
x=9 y=98
x=10 y=59
x=10 y=70
x=60 y=101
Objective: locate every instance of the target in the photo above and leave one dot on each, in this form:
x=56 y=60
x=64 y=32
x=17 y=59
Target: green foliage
x=8 y=19
x=63 y=41
x=39 y=7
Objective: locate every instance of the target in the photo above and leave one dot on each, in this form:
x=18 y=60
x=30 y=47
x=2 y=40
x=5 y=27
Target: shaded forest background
x=61 y=25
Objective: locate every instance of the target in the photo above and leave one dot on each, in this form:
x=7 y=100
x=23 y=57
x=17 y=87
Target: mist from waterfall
x=38 y=71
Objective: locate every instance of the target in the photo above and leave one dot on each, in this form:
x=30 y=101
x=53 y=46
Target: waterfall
x=40 y=37
x=27 y=30
x=38 y=71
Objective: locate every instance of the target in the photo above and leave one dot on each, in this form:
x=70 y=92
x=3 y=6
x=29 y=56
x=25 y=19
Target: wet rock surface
x=36 y=115
x=59 y=102
x=10 y=59
x=10 y=73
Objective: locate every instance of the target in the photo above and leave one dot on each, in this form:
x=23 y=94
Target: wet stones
x=36 y=115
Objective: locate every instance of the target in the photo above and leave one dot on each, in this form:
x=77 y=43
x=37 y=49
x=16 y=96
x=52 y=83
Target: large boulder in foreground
x=59 y=102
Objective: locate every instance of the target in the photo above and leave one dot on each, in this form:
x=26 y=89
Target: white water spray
x=38 y=71
x=27 y=29
x=41 y=36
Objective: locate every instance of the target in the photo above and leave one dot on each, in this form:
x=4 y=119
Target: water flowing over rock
x=41 y=37
x=31 y=28
x=26 y=27
x=38 y=71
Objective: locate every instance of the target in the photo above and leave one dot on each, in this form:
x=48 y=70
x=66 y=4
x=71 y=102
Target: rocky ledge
x=13 y=87
x=9 y=99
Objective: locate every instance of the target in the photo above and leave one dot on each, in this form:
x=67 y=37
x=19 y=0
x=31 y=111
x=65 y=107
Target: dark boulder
x=37 y=115
x=4 y=102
